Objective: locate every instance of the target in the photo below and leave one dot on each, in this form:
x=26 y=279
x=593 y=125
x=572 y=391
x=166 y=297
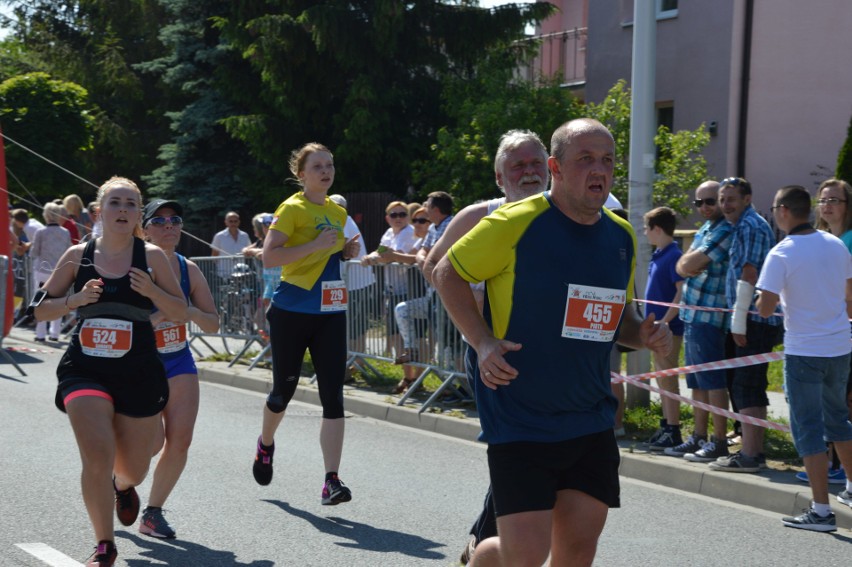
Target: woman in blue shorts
x=111 y=383
x=162 y=223
x=308 y=311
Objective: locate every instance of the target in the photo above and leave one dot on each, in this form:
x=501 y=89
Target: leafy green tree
x=844 y=159
x=463 y=154
x=51 y=117
x=363 y=77
x=481 y=109
x=97 y=44
x=680 y=167
x=204 y=167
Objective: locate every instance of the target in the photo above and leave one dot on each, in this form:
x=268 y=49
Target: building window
x=665 y=117
x=666 y=9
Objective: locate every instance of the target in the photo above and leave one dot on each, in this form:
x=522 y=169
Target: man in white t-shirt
x=359 y=284
x=229 y=242
x=810 y=273
x=232 y=240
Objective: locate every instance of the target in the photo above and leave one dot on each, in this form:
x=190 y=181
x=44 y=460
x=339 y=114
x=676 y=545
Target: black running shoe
x=262 y=468
x=104 y=555
x=334 y=492
x=155 y=525
x=126 y=505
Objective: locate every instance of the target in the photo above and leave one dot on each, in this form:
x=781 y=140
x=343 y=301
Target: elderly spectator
x=78 y=214
x=49 y=244
x=67 y=223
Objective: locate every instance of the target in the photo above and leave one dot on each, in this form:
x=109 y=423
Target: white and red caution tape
x=700 y=308
x=750 y=360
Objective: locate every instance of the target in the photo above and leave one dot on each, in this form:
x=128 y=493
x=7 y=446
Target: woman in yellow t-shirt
x=308 y=310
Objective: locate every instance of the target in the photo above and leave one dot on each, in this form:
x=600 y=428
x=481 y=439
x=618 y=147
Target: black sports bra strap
x=89 y=252
x=140 y=260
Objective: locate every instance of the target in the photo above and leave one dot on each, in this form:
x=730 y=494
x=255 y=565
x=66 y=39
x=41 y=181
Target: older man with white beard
x=520 y=170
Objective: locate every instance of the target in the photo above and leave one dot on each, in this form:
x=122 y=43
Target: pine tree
x=844 y=159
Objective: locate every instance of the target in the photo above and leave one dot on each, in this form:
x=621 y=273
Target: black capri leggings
x=292 y=334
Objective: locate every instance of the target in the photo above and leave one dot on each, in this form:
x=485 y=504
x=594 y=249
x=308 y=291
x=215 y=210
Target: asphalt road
x=414 y=496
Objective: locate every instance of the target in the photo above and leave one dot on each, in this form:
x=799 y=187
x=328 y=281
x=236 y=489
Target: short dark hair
x=662 y=217
x=20 y=215
x=795 y=199
x=442 y=200
x=742 y=184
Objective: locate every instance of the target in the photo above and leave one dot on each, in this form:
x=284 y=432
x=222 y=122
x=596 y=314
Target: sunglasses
x=735 y=181
x=397 y=215
x=709 y=201
x=420 y=220
x=161 y=221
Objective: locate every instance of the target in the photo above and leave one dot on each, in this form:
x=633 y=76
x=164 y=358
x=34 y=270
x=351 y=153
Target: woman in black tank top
x=111 y=383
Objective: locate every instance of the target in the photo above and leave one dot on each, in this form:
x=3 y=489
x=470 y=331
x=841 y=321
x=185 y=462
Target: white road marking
x=49 y=555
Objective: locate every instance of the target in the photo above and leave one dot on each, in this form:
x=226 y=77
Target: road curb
x=771 y=490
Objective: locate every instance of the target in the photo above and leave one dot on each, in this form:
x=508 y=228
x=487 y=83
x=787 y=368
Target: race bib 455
x=592 y=313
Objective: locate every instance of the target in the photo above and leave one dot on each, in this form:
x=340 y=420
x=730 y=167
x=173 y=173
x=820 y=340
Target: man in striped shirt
x=751 y=240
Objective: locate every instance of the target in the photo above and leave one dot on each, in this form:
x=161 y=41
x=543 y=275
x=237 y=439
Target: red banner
x=5 y=244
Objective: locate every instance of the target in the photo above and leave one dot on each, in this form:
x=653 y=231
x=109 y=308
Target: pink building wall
x=799 y=89
x=800 y=98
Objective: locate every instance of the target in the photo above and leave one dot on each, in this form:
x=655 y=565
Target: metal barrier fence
x=236 y=283
x=375 y=317
x=375 y=292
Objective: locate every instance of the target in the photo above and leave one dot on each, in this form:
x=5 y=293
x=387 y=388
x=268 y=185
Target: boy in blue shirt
x=664 y=286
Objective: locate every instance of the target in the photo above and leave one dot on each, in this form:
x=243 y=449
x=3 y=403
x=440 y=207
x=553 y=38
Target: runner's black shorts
x=526 y=476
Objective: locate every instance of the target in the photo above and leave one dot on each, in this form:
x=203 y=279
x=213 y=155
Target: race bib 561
x=170 y=337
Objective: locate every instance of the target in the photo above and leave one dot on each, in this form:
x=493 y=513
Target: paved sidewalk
x=773 y=490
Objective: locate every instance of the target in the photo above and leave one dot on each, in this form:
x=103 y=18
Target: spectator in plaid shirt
x=752 y=238
x=439 y=209
x=705 y=266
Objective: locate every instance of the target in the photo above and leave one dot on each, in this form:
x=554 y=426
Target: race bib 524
x=106 y=338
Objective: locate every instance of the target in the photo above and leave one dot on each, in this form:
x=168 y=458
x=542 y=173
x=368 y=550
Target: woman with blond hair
x=77 y=214
x=112 y=385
